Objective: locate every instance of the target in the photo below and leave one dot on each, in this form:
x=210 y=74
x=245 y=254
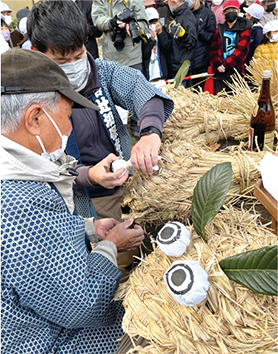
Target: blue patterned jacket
x=56 y=298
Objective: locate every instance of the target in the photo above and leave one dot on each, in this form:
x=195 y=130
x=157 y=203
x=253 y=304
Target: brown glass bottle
x=262 y=125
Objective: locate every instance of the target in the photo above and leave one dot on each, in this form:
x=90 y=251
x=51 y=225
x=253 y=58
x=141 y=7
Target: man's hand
x=103 y=226
x=124 y=238
x=177 y=30
x=221 y=69
x=153 y=35
x=158 y=28
x=100 y=173
x=113 y=21
x=144 y=154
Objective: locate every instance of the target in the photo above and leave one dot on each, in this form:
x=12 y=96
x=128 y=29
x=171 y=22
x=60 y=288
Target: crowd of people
x=64 y=244
x=156 y=36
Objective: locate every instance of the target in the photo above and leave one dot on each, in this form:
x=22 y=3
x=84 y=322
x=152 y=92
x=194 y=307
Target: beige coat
x=102 y=12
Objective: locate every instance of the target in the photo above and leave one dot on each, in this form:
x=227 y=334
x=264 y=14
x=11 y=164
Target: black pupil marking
x=174 y=282
x=167 y=233
x=178 y=277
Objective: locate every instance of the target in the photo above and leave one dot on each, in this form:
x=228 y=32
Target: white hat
x=4 y=7
x=255 y=10
x=22 y=26
x=270 y=26
x=152 y=13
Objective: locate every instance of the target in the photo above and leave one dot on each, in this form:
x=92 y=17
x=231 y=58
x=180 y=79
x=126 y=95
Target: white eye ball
x=180 y=278
x=187 y=282
x=173 y=239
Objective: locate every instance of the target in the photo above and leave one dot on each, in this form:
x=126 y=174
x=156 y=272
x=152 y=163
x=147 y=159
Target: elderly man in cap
x=56 y=294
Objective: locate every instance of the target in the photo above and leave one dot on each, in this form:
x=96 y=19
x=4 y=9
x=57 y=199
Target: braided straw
x=232 y=320
x=167 y=194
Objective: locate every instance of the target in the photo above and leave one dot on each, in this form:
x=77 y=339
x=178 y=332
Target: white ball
x=187 y=282
x=173 y=239
x=117 y=164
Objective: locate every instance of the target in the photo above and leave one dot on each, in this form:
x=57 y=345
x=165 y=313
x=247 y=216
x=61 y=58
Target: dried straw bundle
x=204 y=118
x=167 y=194
x=255 y=75
x=239 y=321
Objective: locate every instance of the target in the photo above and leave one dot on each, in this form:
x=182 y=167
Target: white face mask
x=76 y=72
x=152 y=27
x=55 y=155
x=8 y=20
x=217 y=2
x=274 y=38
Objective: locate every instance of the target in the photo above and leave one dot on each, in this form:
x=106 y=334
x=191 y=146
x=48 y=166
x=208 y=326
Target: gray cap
x=255 y=10
x=28 y=71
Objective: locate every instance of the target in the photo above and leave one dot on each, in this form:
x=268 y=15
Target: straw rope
x=233 y=320
x=167 y=194
x=204 y=118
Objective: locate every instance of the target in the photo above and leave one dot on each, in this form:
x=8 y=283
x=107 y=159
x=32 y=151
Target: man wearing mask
x=57 y=295
x=183 y=34
x=230 y=45
x=269 y=7
x=99 y=138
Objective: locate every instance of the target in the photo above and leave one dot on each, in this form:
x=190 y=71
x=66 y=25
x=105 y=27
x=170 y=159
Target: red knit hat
x=231 y=3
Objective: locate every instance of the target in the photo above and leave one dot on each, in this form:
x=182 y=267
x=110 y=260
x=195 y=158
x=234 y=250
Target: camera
x=118 y=34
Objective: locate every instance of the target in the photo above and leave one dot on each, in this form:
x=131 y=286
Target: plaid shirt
x=236 y=59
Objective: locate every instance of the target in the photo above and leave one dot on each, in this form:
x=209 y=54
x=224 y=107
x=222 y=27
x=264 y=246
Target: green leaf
x=209 y=195
x=257 y=269
x=182 y=72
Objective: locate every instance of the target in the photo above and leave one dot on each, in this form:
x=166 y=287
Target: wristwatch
x=150 y=130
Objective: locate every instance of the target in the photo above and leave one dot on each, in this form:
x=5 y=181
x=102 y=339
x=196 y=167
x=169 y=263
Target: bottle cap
x=266 y=74
x=187 y=282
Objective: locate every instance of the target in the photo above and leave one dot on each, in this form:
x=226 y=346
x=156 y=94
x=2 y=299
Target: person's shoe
x=135 y=129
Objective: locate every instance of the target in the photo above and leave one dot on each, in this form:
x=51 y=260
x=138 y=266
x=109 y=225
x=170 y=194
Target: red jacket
x=236 y=59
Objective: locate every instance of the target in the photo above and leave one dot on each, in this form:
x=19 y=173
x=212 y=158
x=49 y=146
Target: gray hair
x=12 y=107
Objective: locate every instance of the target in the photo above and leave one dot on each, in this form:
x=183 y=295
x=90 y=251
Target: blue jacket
x=56 y=298
x=96 y=134
x=255 y=41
